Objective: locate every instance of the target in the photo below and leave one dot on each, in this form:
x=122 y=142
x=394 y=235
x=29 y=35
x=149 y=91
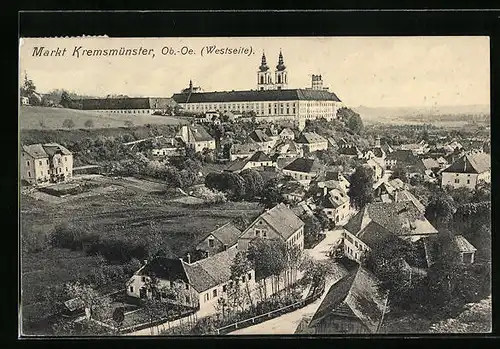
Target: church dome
x=263 y=65
x=281 y=66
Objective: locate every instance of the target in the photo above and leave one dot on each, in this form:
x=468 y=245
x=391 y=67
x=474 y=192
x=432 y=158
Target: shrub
x=68 y=123
x=34 y=240
x=89 y=123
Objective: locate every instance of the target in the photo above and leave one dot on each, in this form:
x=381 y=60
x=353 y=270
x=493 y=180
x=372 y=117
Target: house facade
x=337 y=205
x=311 y=142
x=303 y=170
x=279 y=222
x=46 y=163
x=201 y=283
x=378 y=222
x=219 y=240
x=196 y=138
x=469 y=171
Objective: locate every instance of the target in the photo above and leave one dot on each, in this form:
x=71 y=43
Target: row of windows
x=47 y=161
x=58 y=170
x=141 y=111
x=215 y=292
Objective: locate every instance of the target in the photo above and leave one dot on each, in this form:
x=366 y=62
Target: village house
x=469 y=171
x=407 y=160
x=196 y=137
x=392 y=191
x=293 y=191
x=378 y=170
x=336 y=205
x=458 y=249
x=243 y=151
x=379 y=221
x=260 y=138
x=353 y=305
x=46 y=163
x=416 y=148
x=164 y=147
x=303 y=170
x=203 y=282
x=257 y=160
x=348 y=149
x=286 y=133
x=219 y=240
x=24 y=100
x=311 y=142
x=287 y=149
x=279 y=222
x=330 y=180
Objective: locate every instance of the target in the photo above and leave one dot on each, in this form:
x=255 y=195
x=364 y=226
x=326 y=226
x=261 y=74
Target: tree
x=89 y=123
x=361 y=188
x=312 y=227
x=271 y=194
x=95 y=305
x=401 y=173
x=355 y=124
x=476 y=318
x=254 y=183
x=66 y=100
x=28 y=87
x=68 y=123
x=440 y=210
x=314 y=270
x=129 y=123
x=240 y=267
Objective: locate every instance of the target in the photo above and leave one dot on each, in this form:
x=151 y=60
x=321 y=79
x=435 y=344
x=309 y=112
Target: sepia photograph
x=254 y=186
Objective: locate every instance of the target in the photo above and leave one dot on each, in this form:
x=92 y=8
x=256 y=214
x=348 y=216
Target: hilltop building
x=271 y=101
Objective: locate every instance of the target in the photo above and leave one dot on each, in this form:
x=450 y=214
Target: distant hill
x=423 y=114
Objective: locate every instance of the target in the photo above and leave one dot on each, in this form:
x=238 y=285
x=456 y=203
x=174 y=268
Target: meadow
x=45 y=118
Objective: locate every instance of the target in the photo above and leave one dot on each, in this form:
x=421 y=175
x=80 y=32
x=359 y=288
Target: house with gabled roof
x=287 y=148
x=203 y=282
x=286 y=133
x=260 y=138
x=196 y=137
x=380 y=221
x=219 y=240
x=256 y=160
x=336 y=205
x=469 y=171
x=46 y=163
x=243 y=151
x=353 y=305
x=311 y=142
x=406 y=159
x=303 y=170
x=279 y=222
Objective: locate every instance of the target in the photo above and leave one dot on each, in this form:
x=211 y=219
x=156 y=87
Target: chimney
x=145 y=261
x=188 y=258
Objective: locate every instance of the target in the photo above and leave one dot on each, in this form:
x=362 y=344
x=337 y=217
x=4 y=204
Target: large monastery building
x=271 y=101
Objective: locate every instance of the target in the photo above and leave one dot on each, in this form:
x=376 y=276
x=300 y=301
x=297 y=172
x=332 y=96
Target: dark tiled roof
x=310 y=137
x=254 y=95
x=165 y=268
x=35 y=150
x=259 y=156
x=246 y=148
x=335 y=198
x=228 y=234
x=304 y=165
x=236 y=165
x=477 y=163
x=39 y=151
x=196 y=134
x=212 y=271
x=349 y=150
x=398 y=218
x=125 y=103
x=282 y=219
x=356 y=295
x=258 y=136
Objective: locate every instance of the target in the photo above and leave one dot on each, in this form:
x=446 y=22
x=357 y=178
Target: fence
x=315 y=292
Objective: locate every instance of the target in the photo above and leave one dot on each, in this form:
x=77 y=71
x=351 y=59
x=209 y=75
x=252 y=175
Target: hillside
x=441 y=114
x=44 y=118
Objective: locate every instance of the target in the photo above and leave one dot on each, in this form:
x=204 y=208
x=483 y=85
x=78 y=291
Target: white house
x=46 y=163
x=196 y=137
x=336 y=205
x=303 y=170
x=258 y=159
x=202 y=283
x=279 y=222
x=377 y=222
x=312 y=142
x=469 y=171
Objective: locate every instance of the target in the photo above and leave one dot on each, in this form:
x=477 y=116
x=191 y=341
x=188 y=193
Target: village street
x=287 y=323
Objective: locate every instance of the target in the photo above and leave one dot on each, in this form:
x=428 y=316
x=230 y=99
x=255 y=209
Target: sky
x=368 y=71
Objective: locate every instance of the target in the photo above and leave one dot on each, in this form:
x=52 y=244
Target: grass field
x=124 y=213
x=45 y=118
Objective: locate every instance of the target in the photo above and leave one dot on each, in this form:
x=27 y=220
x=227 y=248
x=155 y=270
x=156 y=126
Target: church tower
x=281 y=78
x=264 y=79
